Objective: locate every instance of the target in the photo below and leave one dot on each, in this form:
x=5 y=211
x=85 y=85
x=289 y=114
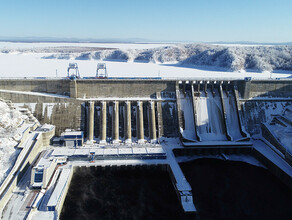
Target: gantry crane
x=74 y=71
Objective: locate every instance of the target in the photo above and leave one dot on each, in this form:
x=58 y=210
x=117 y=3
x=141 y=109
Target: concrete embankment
x=32 y=147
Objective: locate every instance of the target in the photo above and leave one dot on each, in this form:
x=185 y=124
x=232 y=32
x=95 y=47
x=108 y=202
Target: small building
x=58 y=196
x=72 y=138
x=42 y=172
x=48 y=132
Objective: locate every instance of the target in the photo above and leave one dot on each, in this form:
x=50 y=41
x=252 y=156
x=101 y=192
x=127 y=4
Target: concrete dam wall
x=146 y=109
x=92 y=88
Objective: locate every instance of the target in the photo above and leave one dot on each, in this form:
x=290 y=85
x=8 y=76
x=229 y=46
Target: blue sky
x=159 y=20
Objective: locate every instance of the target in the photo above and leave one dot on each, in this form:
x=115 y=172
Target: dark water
x=221 y=190
x=121 y=194
x=237 y=190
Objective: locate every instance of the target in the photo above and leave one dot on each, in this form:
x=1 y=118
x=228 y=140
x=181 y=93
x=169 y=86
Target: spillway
x=231 y=116
x=189 y=131
x=210 y=117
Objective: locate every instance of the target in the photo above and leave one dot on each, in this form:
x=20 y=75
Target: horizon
x=33 y=39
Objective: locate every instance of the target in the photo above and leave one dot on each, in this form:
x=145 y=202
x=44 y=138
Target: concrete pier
x=152 y=121
x=128 y=126
x=116 y=122
x=195 y=111
x=91 y=121
x=103 y=123
x=242 y=131
x=178 y=106
x=224 y=113
x=140 y=123
x=159 y=116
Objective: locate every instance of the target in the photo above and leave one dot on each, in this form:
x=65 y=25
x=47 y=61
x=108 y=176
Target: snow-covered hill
x=233 y=58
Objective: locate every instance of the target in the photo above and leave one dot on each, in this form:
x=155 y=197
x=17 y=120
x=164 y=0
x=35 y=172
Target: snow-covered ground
x=288 y=112
x=138 y=60
x=284 y=133
x=31 y=65
x=10 y=119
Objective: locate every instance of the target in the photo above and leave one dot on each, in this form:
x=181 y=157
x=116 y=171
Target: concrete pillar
x=140 y=123
x=224 y=113
x=103 y=123
x=178 y=105
x=195 y=112
x=212 y=88
x=152 y=121
x=198 y=87
x=159 y=116
x=116 y=113
x=73 y=88
x=184 y=88
x=205 y=88
x=91 y=121
x=246 y=89
x=128 y=126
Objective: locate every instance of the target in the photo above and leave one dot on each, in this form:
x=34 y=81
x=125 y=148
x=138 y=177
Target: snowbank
x=10 y=120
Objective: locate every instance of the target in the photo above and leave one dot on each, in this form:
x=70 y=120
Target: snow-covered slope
x=260 y=58
x=10 y=119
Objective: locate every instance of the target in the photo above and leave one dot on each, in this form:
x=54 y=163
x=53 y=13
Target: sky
x=154 y=20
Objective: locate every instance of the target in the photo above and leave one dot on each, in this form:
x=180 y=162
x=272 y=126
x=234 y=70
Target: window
x=38 y=177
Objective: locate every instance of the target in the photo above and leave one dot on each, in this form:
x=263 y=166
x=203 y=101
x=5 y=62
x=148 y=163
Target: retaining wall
x=16 y=173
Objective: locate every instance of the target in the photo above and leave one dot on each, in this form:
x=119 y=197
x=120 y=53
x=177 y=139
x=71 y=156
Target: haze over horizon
x=33 y=39
x=163 y=21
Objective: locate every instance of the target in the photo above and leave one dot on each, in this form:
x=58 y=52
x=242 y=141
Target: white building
x=42 y=172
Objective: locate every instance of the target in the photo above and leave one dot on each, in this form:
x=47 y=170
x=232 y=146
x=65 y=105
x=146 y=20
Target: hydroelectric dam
x=154 y=122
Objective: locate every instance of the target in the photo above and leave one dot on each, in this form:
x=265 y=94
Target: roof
x=155 y=150
x=63 y=151
x=123 y=151
x=46 y=127
x=23 y=128
x=110 y=151
x=139 y=150
x=82 y=151
x=44 y=163
x=58 y=191
x=72 y=133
